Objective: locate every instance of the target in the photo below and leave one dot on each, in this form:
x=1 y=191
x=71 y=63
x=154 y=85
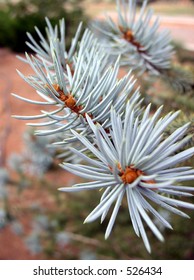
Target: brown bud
x=129 y=176
x=70 y=102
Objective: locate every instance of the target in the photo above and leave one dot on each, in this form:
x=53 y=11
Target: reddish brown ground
x=11 y=130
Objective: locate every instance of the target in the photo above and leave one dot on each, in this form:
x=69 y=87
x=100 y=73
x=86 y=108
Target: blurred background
x=38 y=222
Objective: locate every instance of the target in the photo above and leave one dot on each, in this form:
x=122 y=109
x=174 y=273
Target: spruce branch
x=181 y=81
x=136 y=39
x=55 y=35
x=183 y=119
x=120 y=145
x=135 y=162
x=92 y=87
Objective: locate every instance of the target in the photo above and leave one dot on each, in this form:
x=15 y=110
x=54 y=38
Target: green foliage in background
x=17 y=18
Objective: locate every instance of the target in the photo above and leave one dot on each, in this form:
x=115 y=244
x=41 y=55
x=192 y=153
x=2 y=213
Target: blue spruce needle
x=134 y=160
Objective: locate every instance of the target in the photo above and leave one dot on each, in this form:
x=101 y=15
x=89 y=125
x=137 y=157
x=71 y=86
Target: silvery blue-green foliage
x=99 y=121
x=166 y=215
x=88 y=86
x=4 y=178
x=62 y=238
x=37 y=156
x=138 y=163
x=33 y=243
x=17 y=227
x=181 y=120
x=180 y=80
x=87 y=255
x=3 y=218
x=55 y=35
x=136 y=38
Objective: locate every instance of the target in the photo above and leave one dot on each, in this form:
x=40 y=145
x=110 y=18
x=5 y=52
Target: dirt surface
x=12 y=83
x=12 y=246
